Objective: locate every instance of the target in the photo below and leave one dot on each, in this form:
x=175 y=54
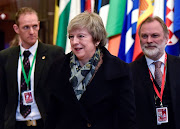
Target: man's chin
x=150 y=53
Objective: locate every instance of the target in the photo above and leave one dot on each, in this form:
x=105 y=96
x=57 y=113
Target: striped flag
x=177 y=25
x=61 y=20
x=129 y=29
x=103 y=9
x=75 y=9
x=56 y=21
x=88 y=5
x=66 y=9
x=159 y=8
x=177 y=18
x=173 y=44
x=115 y=24
x=145 y=10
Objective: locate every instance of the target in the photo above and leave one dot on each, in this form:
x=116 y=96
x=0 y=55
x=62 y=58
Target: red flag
x=88 y=5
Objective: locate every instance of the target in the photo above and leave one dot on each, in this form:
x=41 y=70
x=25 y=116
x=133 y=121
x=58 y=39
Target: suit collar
x=32 y=49
x=150 y=61
x=40 y=62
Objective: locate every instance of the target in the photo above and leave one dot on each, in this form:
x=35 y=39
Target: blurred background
x=121 y=19
x=8 y=8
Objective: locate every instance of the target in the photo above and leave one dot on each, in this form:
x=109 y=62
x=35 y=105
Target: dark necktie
x=25 y=110
x=158 y=73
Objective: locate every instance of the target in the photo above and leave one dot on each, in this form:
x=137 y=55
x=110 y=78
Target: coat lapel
x=146 y=82
x=40 y=63
x=97 y=85
x=68 y=87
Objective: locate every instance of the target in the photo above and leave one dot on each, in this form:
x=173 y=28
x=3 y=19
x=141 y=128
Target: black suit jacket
x=144 y=92
x=9 y=60
x=107 y=103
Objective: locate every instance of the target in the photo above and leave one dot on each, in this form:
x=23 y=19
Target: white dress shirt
x=151 y=66
x=35 y=114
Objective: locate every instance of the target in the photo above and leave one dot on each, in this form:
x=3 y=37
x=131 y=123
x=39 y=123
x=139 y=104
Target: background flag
x=103 y=9
x=75 y=9
x=115 y=24
x=56 y=21
x=122 y=19
x=63 y=19
x=173 y=44
x=177 y=18
x=129 y=30
x=145 y=10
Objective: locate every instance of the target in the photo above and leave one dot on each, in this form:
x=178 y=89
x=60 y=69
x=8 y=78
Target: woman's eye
x=70 y=36
x=81 y=36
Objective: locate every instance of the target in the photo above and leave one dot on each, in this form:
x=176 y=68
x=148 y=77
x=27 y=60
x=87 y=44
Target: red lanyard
x=160 y=94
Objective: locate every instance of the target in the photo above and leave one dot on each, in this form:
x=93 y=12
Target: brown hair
x=15 y=41
x=93 y=23
x=23 y=10
x=156 y=18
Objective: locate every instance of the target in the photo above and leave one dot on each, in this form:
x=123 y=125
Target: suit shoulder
x=134 y=64
x=114 y=61
x=173 y=60
x=5 y=53
x=138 y=65
x=8 y=50
x=54 y=47
x=171 y=57
x=111 y=59
x=115 y=67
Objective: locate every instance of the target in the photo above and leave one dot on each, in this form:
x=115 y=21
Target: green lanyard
x=27 y=80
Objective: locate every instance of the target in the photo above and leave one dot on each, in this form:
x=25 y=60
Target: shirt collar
x=150 y=61
x=31 y=49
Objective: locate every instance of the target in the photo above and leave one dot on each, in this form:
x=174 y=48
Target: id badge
x=27 y=97
x=162 y=115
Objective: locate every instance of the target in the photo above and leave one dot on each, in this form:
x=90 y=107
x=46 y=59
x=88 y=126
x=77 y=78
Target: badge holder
x=27 y=97
x=162 y=115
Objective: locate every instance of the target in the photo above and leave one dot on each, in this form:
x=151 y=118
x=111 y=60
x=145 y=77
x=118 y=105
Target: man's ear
x=16 y=28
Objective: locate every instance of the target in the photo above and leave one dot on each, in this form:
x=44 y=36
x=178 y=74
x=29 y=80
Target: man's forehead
x=152 y=27
x=25 y=15
x=27 y=19
x=154 y=23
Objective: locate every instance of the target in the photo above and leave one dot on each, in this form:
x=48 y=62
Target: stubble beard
x=154 y=53
x=150 y=52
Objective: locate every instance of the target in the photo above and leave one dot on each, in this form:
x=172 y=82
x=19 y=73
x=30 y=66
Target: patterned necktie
x=158 y=73
x=25 y=110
